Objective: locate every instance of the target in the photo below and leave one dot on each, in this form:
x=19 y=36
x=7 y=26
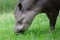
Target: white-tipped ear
x=20 y=6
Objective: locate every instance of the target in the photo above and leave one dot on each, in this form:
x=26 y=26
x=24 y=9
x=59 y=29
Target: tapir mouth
x=21 y=28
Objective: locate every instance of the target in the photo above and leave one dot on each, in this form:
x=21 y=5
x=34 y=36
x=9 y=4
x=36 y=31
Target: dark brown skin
x=26 y=10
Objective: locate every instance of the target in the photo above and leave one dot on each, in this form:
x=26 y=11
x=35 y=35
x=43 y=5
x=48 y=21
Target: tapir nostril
x=20 y=31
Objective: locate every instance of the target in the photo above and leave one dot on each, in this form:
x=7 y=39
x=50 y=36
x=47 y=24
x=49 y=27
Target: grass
x=7 y=5
x=37 y=31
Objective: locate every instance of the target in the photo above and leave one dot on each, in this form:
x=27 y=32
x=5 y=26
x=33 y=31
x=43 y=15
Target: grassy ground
x=7 y=5
x=37 y=31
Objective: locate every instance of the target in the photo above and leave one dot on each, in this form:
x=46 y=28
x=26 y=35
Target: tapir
x=26 y=10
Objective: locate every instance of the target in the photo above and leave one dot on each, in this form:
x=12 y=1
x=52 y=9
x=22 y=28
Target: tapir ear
x=20 y=6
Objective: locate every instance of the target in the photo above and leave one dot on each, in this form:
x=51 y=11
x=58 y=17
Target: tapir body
x=26 y=10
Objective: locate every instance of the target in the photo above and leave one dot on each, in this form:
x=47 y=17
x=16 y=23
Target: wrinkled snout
x=18 y=29
x=21 y=27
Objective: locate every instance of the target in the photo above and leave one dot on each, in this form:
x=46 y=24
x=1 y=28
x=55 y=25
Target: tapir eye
x=20 y=22
x=20 y=6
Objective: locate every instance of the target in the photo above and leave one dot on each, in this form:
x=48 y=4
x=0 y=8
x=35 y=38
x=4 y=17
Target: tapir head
x=24 y=17
x=23 y=21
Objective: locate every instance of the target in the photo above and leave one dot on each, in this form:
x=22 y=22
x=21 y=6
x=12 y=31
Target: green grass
x=7 y=5
x=37 y=31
